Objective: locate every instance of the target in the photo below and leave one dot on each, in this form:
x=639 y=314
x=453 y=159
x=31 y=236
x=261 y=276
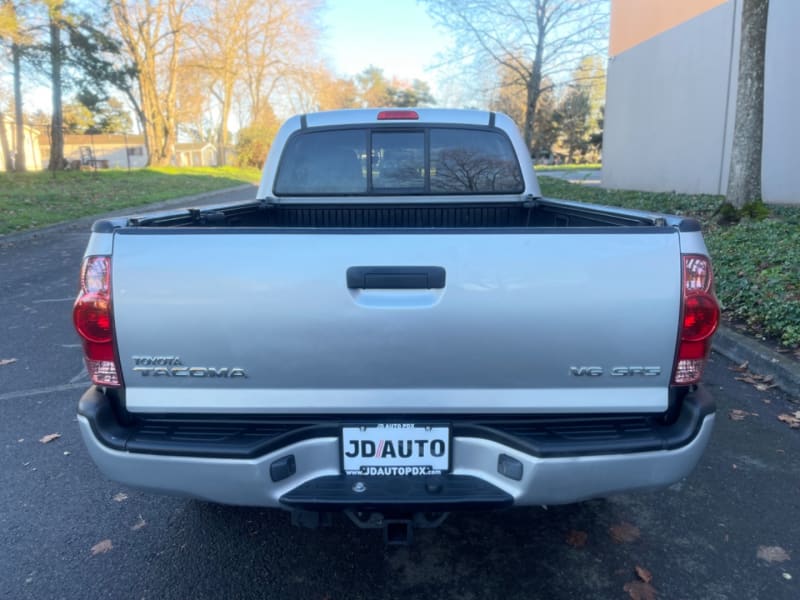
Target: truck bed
x=421 y=213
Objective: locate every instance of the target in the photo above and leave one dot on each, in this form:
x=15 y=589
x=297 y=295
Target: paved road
x=699 y=539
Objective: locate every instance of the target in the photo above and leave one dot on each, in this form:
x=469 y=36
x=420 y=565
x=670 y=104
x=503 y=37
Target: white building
x=671 y=97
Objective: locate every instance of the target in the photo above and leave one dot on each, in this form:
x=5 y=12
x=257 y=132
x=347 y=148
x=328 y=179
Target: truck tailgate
x=222 y=320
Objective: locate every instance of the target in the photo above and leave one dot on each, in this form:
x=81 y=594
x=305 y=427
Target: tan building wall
x=195 y=155
x=33 y=153
x=118 y=151
x=635 y=21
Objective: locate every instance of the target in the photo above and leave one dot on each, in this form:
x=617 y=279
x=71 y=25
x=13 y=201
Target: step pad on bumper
x=438 y=493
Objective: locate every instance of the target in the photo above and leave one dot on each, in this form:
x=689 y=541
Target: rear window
x=435 y=160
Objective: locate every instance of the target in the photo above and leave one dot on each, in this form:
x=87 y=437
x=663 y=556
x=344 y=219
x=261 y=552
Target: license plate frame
x=385 y=466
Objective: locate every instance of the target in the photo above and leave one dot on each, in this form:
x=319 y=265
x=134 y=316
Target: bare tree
x=744 y=178
x=194 y=111
x=153 y=32
x=510 y=98
x=246 y=47
x=19 y=119
x=533 y=39
x=54 y=8
x=280 y=43
x=220 y=51
x=320 y=89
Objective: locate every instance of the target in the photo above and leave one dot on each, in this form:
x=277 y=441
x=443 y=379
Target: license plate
x=395 y=449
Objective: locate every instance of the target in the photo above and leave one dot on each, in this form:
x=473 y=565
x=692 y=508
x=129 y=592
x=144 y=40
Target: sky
x=395 y=35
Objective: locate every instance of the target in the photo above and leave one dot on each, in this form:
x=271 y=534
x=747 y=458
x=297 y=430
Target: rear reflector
x=398 y=115
x=92 y=318
x=699 y=321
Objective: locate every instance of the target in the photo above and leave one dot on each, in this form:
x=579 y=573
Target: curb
x=86 y=222
x=761 y=358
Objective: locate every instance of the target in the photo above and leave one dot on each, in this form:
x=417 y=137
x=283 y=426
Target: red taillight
x=92 y=317
x=398 y=115
x=700 y=317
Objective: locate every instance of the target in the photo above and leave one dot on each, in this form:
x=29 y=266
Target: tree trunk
x=9 y=164
x=534 y=88
x=57 y=123
x=19 y=141
x=227 y=101
x=744 y=178
x=532 y=100
x=156 y=129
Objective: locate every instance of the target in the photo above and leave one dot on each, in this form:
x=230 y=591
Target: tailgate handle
x=395 y=278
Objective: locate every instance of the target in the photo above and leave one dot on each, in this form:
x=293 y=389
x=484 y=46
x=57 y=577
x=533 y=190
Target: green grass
x=756 y=263
x=586 y=167
x=31 y=200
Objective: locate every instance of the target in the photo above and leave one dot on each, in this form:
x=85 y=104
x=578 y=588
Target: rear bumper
x=547 y=477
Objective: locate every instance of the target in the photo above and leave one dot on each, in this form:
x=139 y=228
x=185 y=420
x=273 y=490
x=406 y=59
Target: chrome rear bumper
x=544 y=480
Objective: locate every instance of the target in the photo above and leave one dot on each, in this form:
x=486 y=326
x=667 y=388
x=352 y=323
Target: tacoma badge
x=172 y=366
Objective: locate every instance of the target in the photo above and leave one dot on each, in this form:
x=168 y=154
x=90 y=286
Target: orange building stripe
x=635 y=21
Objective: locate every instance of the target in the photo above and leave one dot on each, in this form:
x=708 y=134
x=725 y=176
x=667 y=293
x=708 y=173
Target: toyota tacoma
x=399 y=325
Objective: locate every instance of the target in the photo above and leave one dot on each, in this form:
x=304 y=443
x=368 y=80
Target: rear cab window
x=369 y=161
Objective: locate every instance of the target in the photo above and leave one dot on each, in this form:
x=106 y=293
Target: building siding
x=671 y=103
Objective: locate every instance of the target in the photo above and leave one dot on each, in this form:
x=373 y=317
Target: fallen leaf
x=639 y=590
x=577 y=539
x=139 y=524
x=738 y=415
x=7 y=361
x=49 y=438
x=763 y=387
x=102 y=547
x=787 y=577
x=747 y=379
x=644 y=574
x=772 y=554
x=792 y=421
x=742 y=368
x=120 y=497
x=624 y=532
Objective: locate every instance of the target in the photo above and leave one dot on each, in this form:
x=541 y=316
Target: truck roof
x=359 y=116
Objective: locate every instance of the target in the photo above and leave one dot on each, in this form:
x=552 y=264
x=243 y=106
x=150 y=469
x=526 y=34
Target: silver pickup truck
x=397 y=327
